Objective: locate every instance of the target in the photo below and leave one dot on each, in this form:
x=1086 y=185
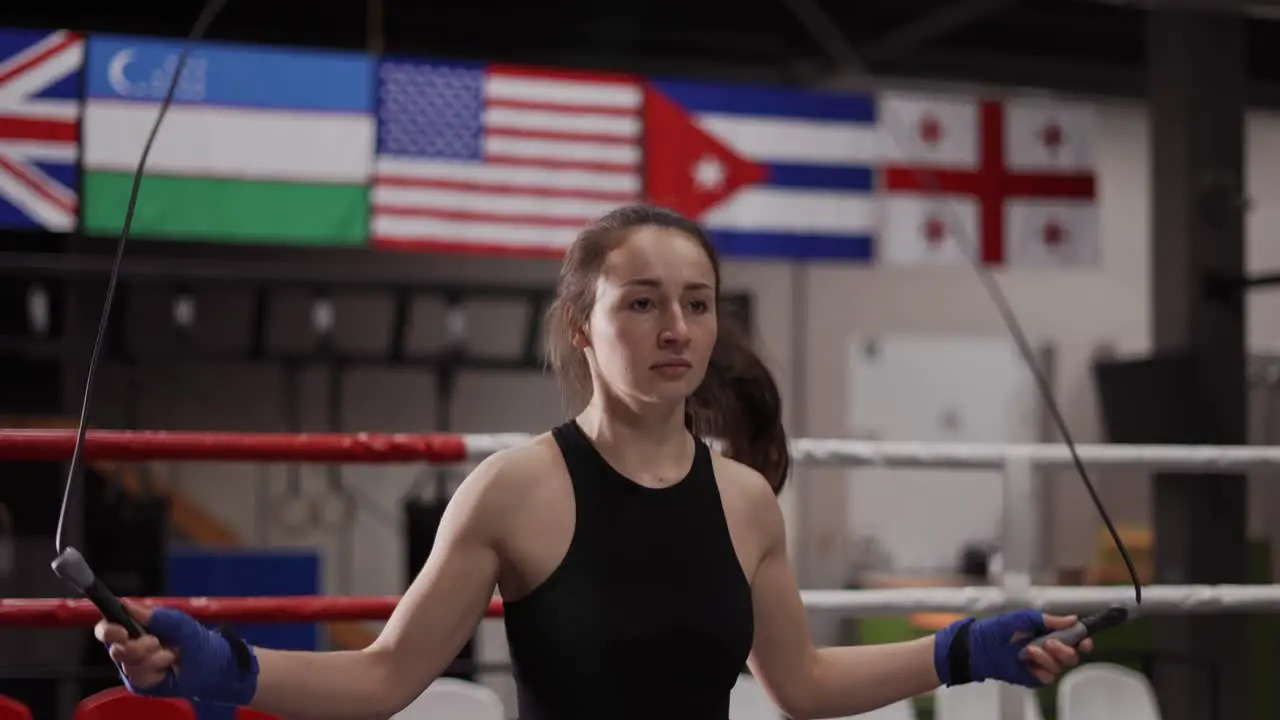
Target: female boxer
x=640 y=570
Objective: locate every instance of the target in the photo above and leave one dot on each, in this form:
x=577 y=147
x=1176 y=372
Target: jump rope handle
x=1086 y=627
x=71 y=566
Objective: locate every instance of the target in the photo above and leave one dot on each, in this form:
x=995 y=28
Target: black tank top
x=648 y=615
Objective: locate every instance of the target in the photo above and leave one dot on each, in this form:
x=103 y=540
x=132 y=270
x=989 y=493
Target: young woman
x=640 y=570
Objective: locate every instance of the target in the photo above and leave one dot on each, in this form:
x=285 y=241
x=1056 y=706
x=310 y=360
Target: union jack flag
x=39 y=128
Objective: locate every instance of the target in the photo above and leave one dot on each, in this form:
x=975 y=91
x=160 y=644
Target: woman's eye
x=700 y=306
x=641 y=304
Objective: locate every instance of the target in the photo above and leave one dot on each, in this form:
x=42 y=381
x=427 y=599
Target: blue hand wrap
x=976 y=650
x=212 y=665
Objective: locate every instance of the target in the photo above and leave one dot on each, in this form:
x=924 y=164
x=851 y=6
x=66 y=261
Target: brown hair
x=738 y=401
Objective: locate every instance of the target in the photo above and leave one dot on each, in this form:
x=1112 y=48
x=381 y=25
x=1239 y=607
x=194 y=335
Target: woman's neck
x=653 y=440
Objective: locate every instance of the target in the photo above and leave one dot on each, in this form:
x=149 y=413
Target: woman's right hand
x=179 y=657
x=143 y=662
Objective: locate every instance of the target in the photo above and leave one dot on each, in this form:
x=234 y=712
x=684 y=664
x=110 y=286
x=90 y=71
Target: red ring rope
x=46 y=612
x=52 y=445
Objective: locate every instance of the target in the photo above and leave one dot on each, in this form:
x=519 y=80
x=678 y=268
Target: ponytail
x=738 y=402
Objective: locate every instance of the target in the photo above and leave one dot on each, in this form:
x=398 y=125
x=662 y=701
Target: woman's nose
x=675 y=331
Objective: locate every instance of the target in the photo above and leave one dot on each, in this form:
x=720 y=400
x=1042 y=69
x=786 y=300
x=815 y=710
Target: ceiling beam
x=1260 y=9
x=1128 y=81
x=938 y=22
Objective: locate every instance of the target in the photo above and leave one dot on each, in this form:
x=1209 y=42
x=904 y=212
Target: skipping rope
x=71 y=566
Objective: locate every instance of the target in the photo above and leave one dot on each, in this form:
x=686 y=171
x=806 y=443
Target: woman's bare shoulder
x=742 y=481
x=505 y=480
x=744 y=489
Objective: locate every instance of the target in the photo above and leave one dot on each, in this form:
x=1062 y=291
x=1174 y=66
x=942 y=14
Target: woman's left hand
x=991 y=649
x=1047 y=663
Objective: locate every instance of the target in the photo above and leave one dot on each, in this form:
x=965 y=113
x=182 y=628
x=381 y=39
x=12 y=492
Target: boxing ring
x=1018 y=464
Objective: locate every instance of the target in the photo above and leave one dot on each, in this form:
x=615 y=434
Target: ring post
x=1018 y=540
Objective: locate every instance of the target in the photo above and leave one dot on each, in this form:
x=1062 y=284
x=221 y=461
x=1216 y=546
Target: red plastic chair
x=120 y=704
x=11 y=709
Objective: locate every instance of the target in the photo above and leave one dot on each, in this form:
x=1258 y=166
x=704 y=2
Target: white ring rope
x=1156 y=599
x=844 y=453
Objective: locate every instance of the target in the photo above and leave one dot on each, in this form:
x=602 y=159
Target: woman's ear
x=578 y=334
x=581 y=337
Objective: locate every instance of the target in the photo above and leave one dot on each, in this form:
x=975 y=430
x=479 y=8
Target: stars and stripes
x=39 y=128
x=499 y=159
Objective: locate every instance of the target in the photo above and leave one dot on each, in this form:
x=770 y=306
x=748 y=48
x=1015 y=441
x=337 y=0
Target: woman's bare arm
x=428 y=628
x=810 y=682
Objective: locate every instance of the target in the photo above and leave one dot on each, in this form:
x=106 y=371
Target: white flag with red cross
x=1014 y=176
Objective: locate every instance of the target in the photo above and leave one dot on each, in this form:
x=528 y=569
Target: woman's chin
x=675 y=391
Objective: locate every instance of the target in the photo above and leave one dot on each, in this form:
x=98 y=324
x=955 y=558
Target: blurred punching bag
x=422 y=517
x=126 y=540
x=422 y=521
x=31 y=493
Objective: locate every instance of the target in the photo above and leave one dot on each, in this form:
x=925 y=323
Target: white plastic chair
x=749 y=701
x=454 y=699
x=1033 y=707
x=1101 y=691
x=901 y=710
x=981 y=701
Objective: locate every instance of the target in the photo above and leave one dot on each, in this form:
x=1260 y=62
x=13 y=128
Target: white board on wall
x=934 y=388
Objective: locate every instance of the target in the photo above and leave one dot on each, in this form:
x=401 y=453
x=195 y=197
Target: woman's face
x=653 y=326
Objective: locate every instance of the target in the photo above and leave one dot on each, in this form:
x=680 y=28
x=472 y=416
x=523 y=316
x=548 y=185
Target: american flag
x=499 y=159
x=39 y=128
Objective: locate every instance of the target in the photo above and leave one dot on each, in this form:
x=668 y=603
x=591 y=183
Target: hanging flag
x=496 y=159
x=924 y=141
x=952 y=170
x=770 y=173
x=39 y=128
x=1055 y=139
x=259 y=145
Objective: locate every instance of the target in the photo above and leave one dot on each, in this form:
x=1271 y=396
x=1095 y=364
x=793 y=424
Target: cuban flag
x=770 y=173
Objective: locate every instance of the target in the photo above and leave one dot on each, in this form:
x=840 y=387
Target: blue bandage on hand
x=212 y=665
x=976 y=650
